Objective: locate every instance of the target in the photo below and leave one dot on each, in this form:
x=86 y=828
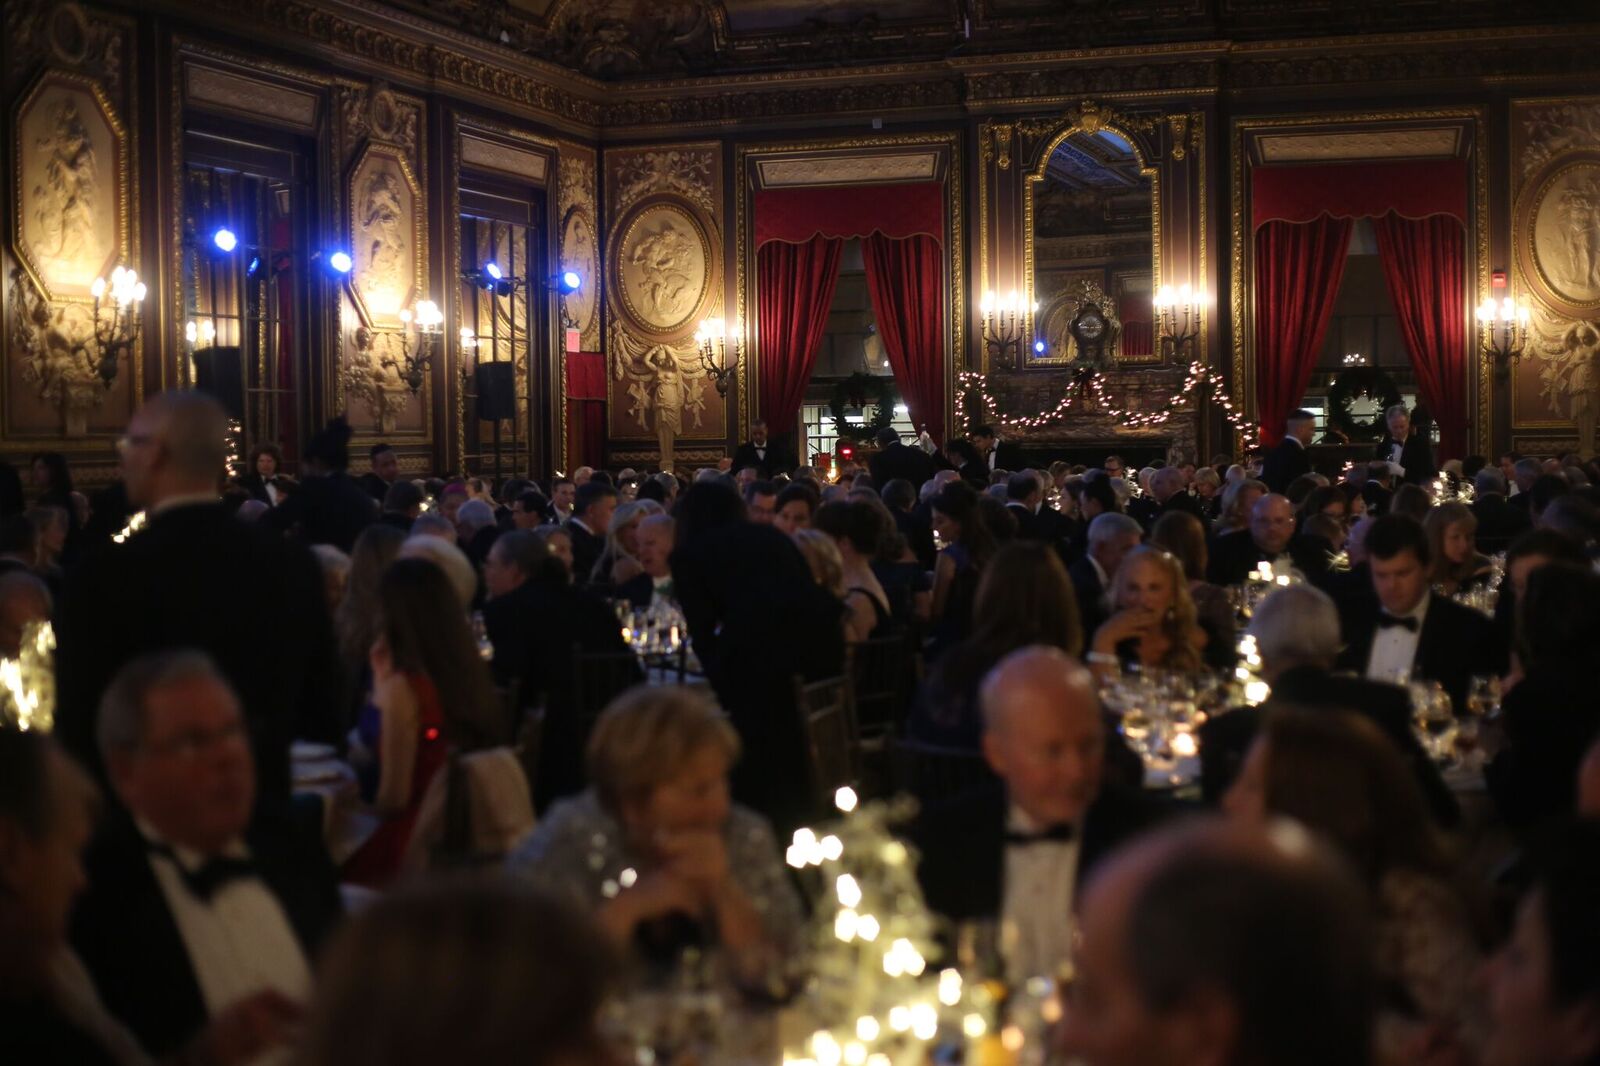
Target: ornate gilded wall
x=1555 y=235
x=663 y=277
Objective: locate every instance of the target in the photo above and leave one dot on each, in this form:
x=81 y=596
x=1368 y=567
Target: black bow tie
x=211 y=876
x=1385 y=620
x=1056 y=834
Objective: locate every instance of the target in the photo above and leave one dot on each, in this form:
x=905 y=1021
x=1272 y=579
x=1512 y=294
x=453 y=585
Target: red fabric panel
x=794 y=289
x=586 y=433
x=586 y=376
x=1424 y=264
x=1298 y=270
x=1359 y=190
x=797 y=215
x=1136 y=313
x=905 y=280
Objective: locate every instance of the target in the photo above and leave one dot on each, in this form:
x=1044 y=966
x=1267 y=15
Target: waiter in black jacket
x=763 y=454
x=1407 y=447
x=1290 y=459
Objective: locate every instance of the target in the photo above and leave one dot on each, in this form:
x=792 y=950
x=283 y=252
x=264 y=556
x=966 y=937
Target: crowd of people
x=1325 y=896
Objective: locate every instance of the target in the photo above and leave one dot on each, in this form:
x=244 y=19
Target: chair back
x=477 y=809
x=934 y=774
x=884 y=672
x=598 y=678
x=832 y=740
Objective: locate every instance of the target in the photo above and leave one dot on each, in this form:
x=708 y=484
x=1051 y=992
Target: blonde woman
x=1457 y=564
x=1154 y=626
x=1237 y=500
x=619 y=562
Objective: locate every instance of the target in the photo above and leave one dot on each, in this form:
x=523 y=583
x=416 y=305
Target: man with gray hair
x=1296 y=630
x=1013 y=850
x=198 y=900
x=1500 y=520
x=1111 y=536
x=194 y=577
x=1406 y=447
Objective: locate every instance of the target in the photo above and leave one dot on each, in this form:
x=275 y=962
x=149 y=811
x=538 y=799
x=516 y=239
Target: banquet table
x=317 y=772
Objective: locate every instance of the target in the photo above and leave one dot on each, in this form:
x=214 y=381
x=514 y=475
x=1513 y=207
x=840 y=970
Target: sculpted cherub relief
x=64 y=199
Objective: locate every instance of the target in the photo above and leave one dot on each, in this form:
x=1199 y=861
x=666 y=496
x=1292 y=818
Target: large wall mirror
x=1092 y=210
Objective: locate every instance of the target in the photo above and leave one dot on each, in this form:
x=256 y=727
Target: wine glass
x=1483 y=696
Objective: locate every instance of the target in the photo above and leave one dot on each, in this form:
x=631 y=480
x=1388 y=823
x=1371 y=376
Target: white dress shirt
x=239 y=942
x=1394 y=648
x=1396 y=450
x=1036 y=912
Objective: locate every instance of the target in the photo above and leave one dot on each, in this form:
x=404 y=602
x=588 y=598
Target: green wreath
x=1351 y=385
x=860 y=390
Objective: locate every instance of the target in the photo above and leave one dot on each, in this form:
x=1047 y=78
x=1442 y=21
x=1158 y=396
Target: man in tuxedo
x=401 y=505
x=1218 y=944
x=591 y=515
x=896 y=460
x=1015 y=850
x=530 y=510
x=1415 y=635
x=1270 y=538
x=1290 y=459
x=563 y=492
x=1297 y=635
x=996 y=453
x=900 y=496
x=1035 y=521
x=1499 y=522
x=193 y=906
x=1111 y=537
x=194 y=577
x=655 y=551
x=1169 y=492
x=328 y=506
x=766 y=456
x=385 y=468
x=1407 y=449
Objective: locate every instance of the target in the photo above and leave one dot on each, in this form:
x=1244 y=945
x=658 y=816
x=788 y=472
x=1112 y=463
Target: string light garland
x=1093 y=382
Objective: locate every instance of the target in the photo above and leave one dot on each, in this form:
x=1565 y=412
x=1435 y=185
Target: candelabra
x=1003 y=321
x=416 y=354
x=1502 y=332
x=1178 y=312
x=715 y=341
x=116 y=321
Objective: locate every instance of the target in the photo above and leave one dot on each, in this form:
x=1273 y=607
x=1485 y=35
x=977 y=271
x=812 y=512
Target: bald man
x=196 y=577
x=1014 y=849
x=1270 y=538
x=1214 y=945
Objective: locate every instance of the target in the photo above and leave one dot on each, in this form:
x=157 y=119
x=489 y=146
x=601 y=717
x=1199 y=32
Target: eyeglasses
x=128 y=442
x=188 y=745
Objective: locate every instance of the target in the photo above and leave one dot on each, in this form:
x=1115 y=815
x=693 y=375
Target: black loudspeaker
x=497 y=391
x=219 y=373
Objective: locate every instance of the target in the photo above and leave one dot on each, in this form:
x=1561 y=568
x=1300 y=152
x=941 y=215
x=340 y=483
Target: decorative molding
x=250 y=96
x=1441 y=143
x=848 y=170
x=484 y=154
x=580 y=241
x=64 y=35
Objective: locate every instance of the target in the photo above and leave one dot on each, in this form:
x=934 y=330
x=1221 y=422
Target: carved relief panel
x=73 y=180
x=1555 y=189
x=663 y=276
x=580 y=242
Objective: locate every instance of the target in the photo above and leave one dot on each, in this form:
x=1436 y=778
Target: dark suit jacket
x=587 y=548
x=196 y=577
x=373 y=486
x=1144 y=510
x=1235 y=554
x=1416 y=455
x=639 y=590
x=1285 y=463
x=534 y=629
x=325 y=510
x=256 y=485
x=900 y=461
x=918 y=532
x=1455 y=643
x=126 y=935
x=1551 y=717
x=1226 y=738
x=1007 y=457
x=962 y=842
x=1182 y=501
x=1086 y=584
x=1499 y=523
x=778 y=460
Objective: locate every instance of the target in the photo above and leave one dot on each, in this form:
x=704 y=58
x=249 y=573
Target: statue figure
x=65 y=197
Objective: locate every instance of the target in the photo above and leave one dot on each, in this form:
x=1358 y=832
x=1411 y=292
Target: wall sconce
x=416 y=355
x=117 y=328
x=1178 y=313
x=1502 y=332
x=203 y=332
x=1003 y=321
x=715 y=340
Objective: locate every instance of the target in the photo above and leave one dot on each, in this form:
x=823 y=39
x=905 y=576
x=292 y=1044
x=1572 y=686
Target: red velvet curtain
x=797 y=215
x=1298 y=269
x=1424 y=260
x=586 y=409
x=794 y=289
x=905 y=279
